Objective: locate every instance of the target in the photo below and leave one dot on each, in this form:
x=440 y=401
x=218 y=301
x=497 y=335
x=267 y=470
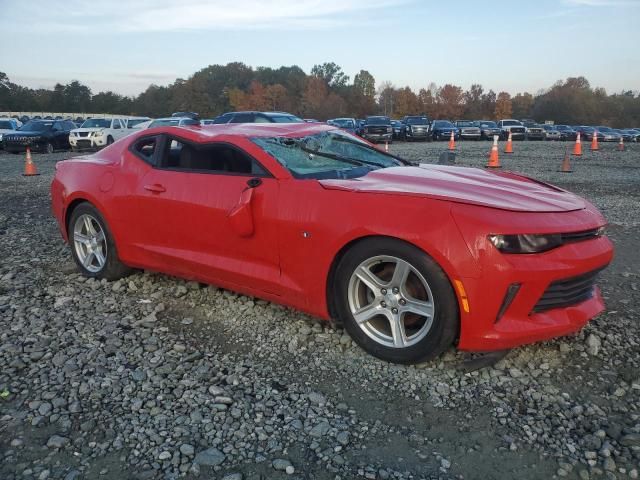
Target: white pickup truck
x=96 y=133
x=516 y=128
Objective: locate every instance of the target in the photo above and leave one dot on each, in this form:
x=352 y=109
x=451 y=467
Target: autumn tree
x=450 y=102
x=503 y=106
x=331 y=73
x=521 y=105
x=365 y=84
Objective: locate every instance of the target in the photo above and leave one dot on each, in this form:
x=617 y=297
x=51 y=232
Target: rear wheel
x=92 y=245
x=395 y=301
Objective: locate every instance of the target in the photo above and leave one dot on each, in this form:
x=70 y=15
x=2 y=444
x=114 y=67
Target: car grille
x=517 y=129
x=567 y=292
x=376 y=129
x=83 y=134
x=84 y=143
x=470 y=131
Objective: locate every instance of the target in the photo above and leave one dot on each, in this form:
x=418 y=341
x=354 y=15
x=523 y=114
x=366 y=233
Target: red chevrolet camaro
x=410 y=259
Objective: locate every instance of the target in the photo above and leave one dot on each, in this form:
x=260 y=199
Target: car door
x=58 y=133
x=208 y=212
x=117 y=129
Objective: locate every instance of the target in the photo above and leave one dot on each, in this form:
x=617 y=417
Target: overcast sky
x=504 y=45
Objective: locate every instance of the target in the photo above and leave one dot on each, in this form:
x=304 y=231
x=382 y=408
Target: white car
x=96 y=133
x=8 y=125
x=173 y=122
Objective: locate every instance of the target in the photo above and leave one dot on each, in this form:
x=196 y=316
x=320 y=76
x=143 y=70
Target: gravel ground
x=153 y=377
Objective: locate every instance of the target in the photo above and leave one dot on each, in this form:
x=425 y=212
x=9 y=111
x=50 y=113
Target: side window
x=145 y=149
x=116 y=124
x=243 y=118
x=58 y=126
x=261 y=119
x=213 y=158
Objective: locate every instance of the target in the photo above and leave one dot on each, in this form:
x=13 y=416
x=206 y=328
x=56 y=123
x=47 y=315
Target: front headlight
x=99 y=133
x=389 y=129
x=0 y=137
x=526 y=243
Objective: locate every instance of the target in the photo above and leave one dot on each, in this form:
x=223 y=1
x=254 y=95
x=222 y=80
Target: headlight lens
x=389 y=129
x=98 y=133
x=526 y=243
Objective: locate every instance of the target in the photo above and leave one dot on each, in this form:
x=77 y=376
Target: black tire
x=48 y=148
x=445 y=326
x=109 y=140
x=113 y=268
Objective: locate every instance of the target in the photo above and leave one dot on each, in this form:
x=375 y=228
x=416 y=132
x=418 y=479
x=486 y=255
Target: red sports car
x=410 y=259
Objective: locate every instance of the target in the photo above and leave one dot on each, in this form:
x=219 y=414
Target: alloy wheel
x=90 y=243
x=391 y=301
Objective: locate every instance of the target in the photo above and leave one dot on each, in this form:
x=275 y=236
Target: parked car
x=135 y=126
x=518 y=131
x=626 y=136
x=397 y=129
x=609 y=134
x=7 y=125
x=257 y=117
x=415 y=127
x=633 y=134
x=468 y=130
x=488 y=129
x=377 y=128
x=587 y=132
x=360 y=126
x=133 y=121
x=173 y=122
x=40 y=136
x=534 y=132
x=348 y=124
x=510 y=260
x=208 y=121
x=566 y=132
x=441 y=130
x=311 y=120
x=97 y=133
x=551 y=132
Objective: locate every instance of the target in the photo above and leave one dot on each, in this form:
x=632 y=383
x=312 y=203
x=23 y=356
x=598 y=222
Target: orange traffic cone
x=452 y=142
x=386 y=146
x=566 y=166
x=509 y=147
x=494 y=161
x=29 y=167
x=577 y=148
x=621 y=145
x=594 y=142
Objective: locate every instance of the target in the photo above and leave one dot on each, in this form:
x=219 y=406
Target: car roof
x=208 y=133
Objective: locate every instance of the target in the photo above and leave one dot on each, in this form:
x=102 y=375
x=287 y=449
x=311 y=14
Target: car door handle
x=155 y=188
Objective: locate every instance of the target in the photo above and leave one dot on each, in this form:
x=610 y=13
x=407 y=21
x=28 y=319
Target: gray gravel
x=154 y=377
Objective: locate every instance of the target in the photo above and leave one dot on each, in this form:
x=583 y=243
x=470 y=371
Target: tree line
x=327 y=92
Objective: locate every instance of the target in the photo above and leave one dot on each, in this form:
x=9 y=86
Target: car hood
x=28 y=134
x=501 y=190
x=7 y=130
x=84 y=130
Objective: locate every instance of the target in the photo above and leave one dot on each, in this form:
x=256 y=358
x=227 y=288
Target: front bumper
x=87 y=143
x=378 y=137
x=470 y=135
x=485 y=328
x=21 y=147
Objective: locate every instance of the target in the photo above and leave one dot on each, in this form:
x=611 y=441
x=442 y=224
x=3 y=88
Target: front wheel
x=48 y=148
x=92 y=245
x=395 y=301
